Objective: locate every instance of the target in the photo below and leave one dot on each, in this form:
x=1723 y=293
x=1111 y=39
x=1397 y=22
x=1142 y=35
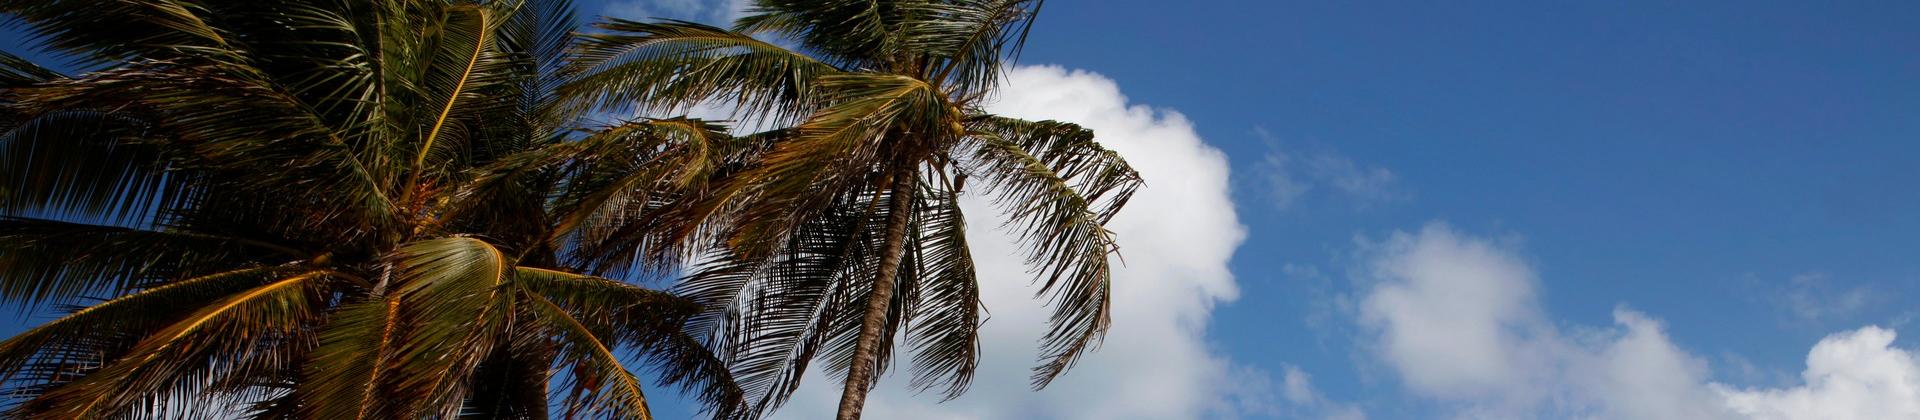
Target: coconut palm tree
x=845 y=230
x=338 y=209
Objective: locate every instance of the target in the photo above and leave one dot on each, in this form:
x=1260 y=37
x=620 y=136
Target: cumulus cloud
x=1850 y=375
x=1176 y=237
x=1458 y=320
x=1289 y=176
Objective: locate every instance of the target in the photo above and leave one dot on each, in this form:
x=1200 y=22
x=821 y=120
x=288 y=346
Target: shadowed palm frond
x=671 y=66
x=1059 y=188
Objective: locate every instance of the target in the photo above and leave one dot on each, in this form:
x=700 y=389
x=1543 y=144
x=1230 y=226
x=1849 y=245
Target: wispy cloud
x=1815 y=298
x=1290 y=176
x=1308 y=402
x=718 y=12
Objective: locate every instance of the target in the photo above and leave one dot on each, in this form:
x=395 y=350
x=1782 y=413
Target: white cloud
x=1289 y=177
x=1156 y=362
x=1851 y=375
x=1458 y=320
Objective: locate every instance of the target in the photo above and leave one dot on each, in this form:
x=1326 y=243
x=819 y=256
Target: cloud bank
x=1176 y=237
x=1458 y=320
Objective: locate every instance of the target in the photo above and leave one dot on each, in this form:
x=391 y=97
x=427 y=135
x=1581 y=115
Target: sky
x=1495 y=210
x=1470 y=210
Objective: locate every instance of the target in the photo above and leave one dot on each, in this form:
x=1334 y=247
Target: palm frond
x=89 y=164
x=671 y=66
x=452 y=303
x=344 y=374
x=850 y=33
x=835 y=150
x=251 y=127
x=16 y=72
x=163 y=357
x=1059 y=188
x=602 y=386
x=133 y=313
x=465 y=40
x=651 y=322
x=973 y=40
x=52 y=261
x=771 y=317
x=105 y=32
x=946 y=314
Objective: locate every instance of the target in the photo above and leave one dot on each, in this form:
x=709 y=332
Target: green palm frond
x=1059 y=188
x=648 y=321
x=158 y=360
x=946 y=316
x=850 y=33
x=53 y=261
x=465 y=41
x=251 y=127
x=139 y=311
x=107 y=32
x=452 y=296
x=353 y=361
x=603 y=387
x=834 y=151
x=771 y=317
x=334 y=208
x=673 y=65
x=89 y=163
x=971 y=39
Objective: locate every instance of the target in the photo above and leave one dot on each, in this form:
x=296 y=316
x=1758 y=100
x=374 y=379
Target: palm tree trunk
x=866 y=351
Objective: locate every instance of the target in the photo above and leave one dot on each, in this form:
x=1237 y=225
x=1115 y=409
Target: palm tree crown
x=336 y=209
x=841 y=230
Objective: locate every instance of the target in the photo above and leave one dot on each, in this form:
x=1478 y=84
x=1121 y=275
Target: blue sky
x=1475 y=210
x=1686 y=197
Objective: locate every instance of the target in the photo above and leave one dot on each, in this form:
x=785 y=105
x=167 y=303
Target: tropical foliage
x=337 y=209
x=842 y=230
x=400 y=209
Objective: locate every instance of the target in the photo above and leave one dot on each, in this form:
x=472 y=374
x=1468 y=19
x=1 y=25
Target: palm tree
x=339 y=209
x=845 y=230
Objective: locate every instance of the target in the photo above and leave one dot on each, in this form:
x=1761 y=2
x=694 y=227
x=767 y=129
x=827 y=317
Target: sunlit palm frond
x=132 y=313
x=162 y=358
x=602 y=386
x=345 y=373
x=452 y=298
